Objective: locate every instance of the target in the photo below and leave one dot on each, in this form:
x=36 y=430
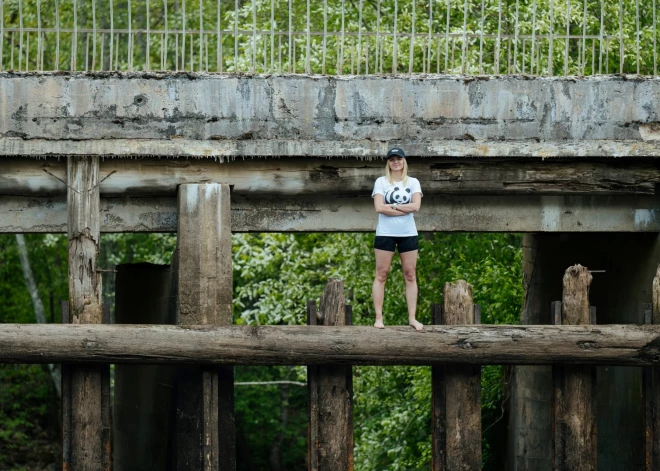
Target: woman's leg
x=383 y=262
x=409 y=265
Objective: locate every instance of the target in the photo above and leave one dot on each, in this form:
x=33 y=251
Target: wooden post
x=456 y=392
x=205 y=435
x=574 y=402
x=651 y=388
x=312 y=402
x=87 y=440
x=331 y=394
x=438 y=402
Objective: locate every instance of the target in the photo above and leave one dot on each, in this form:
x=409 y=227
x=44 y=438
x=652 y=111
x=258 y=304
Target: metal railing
x=536 y=37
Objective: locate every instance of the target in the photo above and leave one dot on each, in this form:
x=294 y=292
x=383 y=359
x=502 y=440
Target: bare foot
x=379 y=324
x=418 y=326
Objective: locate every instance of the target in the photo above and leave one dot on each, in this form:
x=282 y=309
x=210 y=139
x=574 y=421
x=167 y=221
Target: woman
x=396 y=196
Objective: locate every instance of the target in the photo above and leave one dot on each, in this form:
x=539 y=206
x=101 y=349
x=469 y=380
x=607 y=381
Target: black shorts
x=389 y=244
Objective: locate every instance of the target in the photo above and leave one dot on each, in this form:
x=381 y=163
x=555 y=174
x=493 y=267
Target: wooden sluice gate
x=454 y=346
x=199 y=348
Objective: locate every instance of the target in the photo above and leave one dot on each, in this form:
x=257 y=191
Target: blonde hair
x=404 y=173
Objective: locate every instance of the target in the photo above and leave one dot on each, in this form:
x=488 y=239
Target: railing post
x=651 y=389
x=205 y=436
x=86 y=409
x=456 y=392
x=330 y=393
x=574 y=404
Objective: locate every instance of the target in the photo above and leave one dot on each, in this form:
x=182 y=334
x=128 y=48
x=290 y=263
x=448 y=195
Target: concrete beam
x=225 y=115
x=530 y=213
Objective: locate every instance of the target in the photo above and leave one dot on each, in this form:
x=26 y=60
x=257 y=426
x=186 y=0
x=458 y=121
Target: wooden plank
x=574 y=404
x=89 y=445
x=297 y=176
x=612 y=344
x=312 y=402
x=355 y=214
x=335 y=393
x=438 y=406
x=462 y=384
x=204 y=398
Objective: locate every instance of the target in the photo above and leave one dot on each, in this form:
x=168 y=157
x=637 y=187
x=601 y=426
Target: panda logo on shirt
x=397 y=195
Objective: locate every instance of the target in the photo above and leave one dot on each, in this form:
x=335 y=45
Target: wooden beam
x=331 y=399
x=530 y=213
x=456 y=393
x=88 y=439
x=348 y=177
x=574 y=386
x=624 y=345
x=204 y=397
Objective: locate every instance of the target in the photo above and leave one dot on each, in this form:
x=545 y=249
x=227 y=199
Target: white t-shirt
x=396 y=226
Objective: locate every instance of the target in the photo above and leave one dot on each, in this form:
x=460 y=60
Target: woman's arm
x=413 y=206
x=383 y=208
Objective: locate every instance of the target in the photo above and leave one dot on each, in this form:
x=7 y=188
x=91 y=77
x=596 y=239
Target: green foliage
x=494 y=52
x=271 y=419
x=28 y=410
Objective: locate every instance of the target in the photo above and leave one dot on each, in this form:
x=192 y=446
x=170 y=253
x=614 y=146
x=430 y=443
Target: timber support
x=574 y=386
x=456 y=391
x=651 y=389
x=330 y=389
x=87 y=428
x=205 y=435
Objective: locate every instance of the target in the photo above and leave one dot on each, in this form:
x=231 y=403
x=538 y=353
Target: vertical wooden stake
x=651 y=388
x=87 y=441
x=574 y=386
x=438 y=402
x=457 y=393
x=205 y=435
x=312 y=402
x=331 y=418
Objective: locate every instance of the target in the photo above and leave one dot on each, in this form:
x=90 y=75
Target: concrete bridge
x=572 y=162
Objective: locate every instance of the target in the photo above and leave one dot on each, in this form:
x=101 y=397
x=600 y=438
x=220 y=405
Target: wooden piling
x=331 y=394
x=312 y=402
x=87 y=440
x=651 y=389
x=456 y=392
x=205 y=436
x=574 y=405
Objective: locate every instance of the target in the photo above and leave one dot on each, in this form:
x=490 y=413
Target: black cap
x=396 y=151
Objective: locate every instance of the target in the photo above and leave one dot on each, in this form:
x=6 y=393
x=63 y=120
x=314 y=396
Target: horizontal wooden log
x=532 y=213
x=628 y=345
x=346 y=177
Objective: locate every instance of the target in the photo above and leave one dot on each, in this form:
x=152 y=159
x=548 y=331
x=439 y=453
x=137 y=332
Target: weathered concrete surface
x=531 y=213
x=225 y=115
